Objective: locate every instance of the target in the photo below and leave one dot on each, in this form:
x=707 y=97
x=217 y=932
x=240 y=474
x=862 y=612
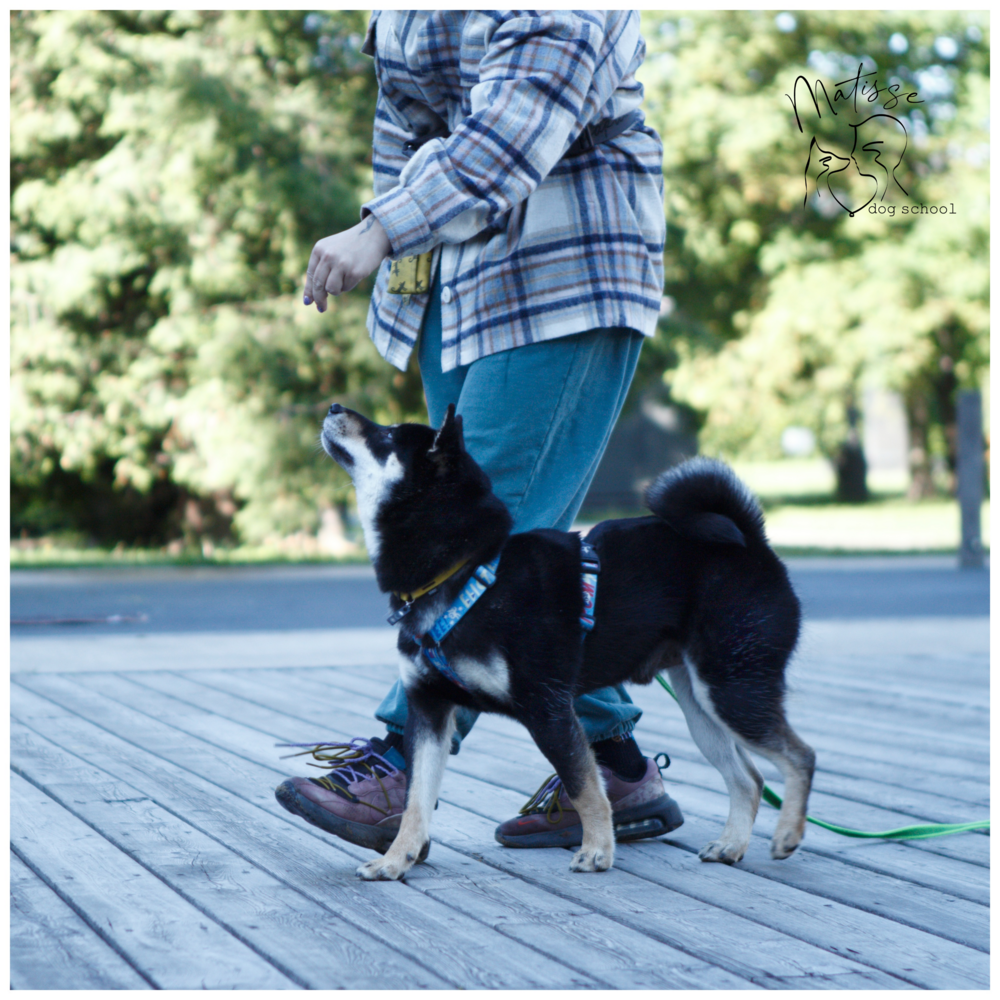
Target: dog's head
x=423 y=502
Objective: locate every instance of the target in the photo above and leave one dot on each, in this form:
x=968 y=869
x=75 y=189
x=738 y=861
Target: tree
x=786 y=305
x=170 y=173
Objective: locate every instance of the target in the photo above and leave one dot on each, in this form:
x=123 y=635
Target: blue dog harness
x=590 y=566
x=481 y=580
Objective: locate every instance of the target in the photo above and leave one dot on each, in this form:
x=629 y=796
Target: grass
x=881 y=526
x=796 y=494
x=803 y=518
x=52 y=553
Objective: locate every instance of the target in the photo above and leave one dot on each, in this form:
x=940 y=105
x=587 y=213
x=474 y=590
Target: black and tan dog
x=694 y=590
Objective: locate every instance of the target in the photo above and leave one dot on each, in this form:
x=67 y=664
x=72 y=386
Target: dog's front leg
x=597 y=852
x=429 y=725
x=559 y=735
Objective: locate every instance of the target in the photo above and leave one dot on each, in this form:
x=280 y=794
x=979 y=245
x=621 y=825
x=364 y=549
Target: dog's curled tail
x=704 y=500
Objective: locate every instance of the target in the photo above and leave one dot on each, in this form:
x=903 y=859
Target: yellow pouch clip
x=411 y=275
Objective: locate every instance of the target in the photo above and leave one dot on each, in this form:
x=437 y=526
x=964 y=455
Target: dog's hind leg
x=751 y=709
x=429 y=727
x=561 y=738
x=797 y=762
x=743 y=781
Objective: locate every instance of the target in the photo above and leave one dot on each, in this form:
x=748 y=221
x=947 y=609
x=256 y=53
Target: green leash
x=903 y=833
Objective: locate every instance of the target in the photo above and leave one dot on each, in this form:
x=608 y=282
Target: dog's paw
x=725 y=853
x=393 y=865
x=590 y=860
x=784 y=844
x=381 y=870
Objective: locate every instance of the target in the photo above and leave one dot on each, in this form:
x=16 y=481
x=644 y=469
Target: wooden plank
x=523 y=765
x=899 y=860
x=601 y=947
x=887 y=807
x=187 y=720
x=459 y=950
x=921 y=805
x=834 y=808
x=869 y=640
x=852 y=741
x=762 y=960
x=919 y=715
x=52 y=948
x=874 y=732
x=141 y=918
x=896 y=769
x=943 y=914
x=253 y=905
x=965 y=669
x=929 y=905
x=463 y=755
x=339 y=956
x=933 y=806
x=742 y=944
x=915 y=955
x=968 y=696
x=940 y=913
x=201 y=650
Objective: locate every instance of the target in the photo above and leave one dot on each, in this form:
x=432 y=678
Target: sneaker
x=360 y=800
x=640 y=809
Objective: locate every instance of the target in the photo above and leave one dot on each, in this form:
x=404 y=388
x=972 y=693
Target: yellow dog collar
x=436 y=582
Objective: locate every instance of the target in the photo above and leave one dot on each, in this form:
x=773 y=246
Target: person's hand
x=340 y=261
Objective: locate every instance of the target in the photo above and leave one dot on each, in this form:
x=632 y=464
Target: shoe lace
x=351 y=761
x=546 y=799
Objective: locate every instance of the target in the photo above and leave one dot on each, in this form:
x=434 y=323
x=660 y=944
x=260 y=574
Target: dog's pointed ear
x=448 y=441
x=449 y=436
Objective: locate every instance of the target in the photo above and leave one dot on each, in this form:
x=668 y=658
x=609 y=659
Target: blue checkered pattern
x=530 y=246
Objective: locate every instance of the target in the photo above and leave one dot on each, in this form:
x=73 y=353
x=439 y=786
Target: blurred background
x=170 y=172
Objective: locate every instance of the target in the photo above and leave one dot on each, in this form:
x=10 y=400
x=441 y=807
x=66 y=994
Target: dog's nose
x=336 y=408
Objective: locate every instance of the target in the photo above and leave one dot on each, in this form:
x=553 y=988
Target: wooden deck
x=149 y=851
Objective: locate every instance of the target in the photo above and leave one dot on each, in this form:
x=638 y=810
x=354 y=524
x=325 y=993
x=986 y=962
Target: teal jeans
x=537 y=418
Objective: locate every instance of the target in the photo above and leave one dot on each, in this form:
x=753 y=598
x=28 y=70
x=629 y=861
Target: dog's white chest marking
x=423 y=619
x=409 y=669
x=372 y=482
x=490 y=676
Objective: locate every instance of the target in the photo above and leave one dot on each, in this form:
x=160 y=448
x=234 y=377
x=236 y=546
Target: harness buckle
x=399 y=613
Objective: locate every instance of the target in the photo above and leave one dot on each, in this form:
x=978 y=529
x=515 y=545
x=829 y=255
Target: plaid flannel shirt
x=529 y=246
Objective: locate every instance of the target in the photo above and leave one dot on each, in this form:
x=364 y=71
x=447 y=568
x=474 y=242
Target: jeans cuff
x=621 y=729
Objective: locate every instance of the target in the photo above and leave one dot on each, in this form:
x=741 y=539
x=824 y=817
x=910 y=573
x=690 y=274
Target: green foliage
x=170 y=173
x=785 y=311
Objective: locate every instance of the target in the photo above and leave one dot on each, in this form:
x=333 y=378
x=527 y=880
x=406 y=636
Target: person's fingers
x=309 y=289
x=339 y=262
x=335 y=281
x=321 y=282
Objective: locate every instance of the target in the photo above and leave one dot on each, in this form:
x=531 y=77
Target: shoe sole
x=376 y=837
x=652 y=819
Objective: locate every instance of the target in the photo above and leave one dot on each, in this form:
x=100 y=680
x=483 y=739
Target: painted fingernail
x=322 y=309
x=308 y=301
